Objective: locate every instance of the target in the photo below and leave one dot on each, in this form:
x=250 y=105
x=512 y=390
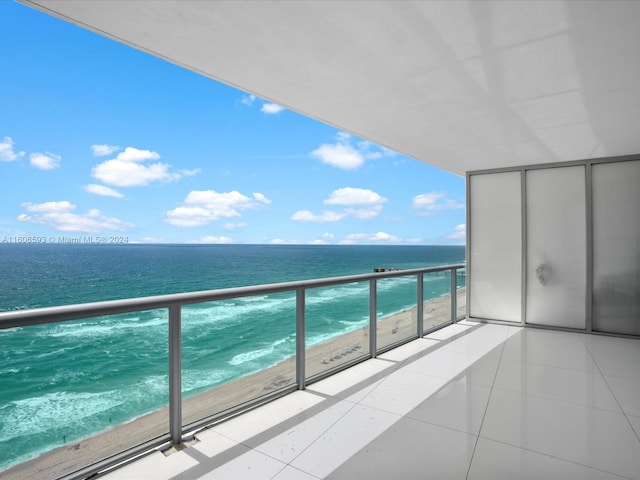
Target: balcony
x=100 y=431
x=470 y=401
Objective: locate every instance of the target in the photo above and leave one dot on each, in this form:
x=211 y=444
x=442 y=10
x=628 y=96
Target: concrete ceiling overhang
x=462 y=85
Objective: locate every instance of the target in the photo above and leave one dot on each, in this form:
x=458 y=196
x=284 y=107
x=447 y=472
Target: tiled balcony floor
x=471 y=401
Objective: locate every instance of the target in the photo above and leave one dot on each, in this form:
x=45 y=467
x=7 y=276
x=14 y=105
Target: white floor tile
x=364 y=375
x=449 y=365
x=575 y=386
x=615 y=356
x=290 y=473
x=468 y=322
x=497 y=461
x=211 y=443
x=154 y=466
x=424 y=451
x=267 y=416
x=355 y=430
x=459 y=405
x=627 y=392
x=402 y=391
x=548 y=348
x=479 y=340
x=247 y=466
x=450 y=331
x=407 y=350
x=635 y=423
x=290 y=443
x=596 y=438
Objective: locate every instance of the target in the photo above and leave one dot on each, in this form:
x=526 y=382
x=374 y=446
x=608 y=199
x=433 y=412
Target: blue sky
x=98 y=139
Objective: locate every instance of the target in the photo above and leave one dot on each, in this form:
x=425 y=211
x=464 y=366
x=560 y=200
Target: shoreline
x=323 y=356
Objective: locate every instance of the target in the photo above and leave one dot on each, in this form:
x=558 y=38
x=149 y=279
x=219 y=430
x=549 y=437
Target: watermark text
x=70 y=239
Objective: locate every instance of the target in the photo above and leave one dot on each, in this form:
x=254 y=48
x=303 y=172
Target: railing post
x=175 y=374
x=420 y=305
x=454 y=295
x=300 y=338
x=373 y=317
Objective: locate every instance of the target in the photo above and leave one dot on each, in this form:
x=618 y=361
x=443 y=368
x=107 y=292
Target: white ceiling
x=462 y=85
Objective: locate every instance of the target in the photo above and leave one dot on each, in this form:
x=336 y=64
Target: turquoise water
x=64 y=381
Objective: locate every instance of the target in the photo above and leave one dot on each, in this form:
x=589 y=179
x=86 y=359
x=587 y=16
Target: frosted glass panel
x=616 y=247
x=495 y=252
x=556 y=247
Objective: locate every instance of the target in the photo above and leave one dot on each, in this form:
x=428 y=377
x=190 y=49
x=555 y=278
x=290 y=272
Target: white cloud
x=271 y=108
x=261 y=198
x=60 y=216
x=372 y=151
x=341 y=156
x=234 y=226
x=190 y=173
x=102 y=190
x=267 y=108
x=379 y=237
x=7 y=153
x=307 y=216
x=213 y=239
x=44 y=161
x=428 y=204
x=101 y=150
x=204 y=206
x=127 y=169
x=211 y=197
x=364 y=213
x=129 y=174
x=459 y=233
x=49 y=207
x=248 y=100
x=324 y=239
x=354 y=196
x=193 y=216
x=131 y=154
x=358 y=202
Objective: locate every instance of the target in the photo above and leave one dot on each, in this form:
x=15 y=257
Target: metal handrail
x=174 y=303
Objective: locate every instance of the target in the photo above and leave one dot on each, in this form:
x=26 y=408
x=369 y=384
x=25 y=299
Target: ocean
x=62 y=382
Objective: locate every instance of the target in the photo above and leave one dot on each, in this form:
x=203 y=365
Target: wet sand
x=319 y=358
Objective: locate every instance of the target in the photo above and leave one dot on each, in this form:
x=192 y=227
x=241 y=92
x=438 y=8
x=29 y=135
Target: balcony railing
x=421 y=322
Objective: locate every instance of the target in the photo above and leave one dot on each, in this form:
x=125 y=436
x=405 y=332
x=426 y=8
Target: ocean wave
x=252 y=355
x=6 y=371
x=316 y=296
x=104 y=328
x=204 y=378
x=36 y=415
x=59 y=352
x=226 y=313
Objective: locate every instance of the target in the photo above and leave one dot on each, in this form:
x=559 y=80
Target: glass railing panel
x=461 y=279
x=337 y=326
x=396 y=310
x=72 y=389
x=234 y=351
x=437 y=299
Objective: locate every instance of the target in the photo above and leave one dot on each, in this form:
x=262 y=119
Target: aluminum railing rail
x=174 y=302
